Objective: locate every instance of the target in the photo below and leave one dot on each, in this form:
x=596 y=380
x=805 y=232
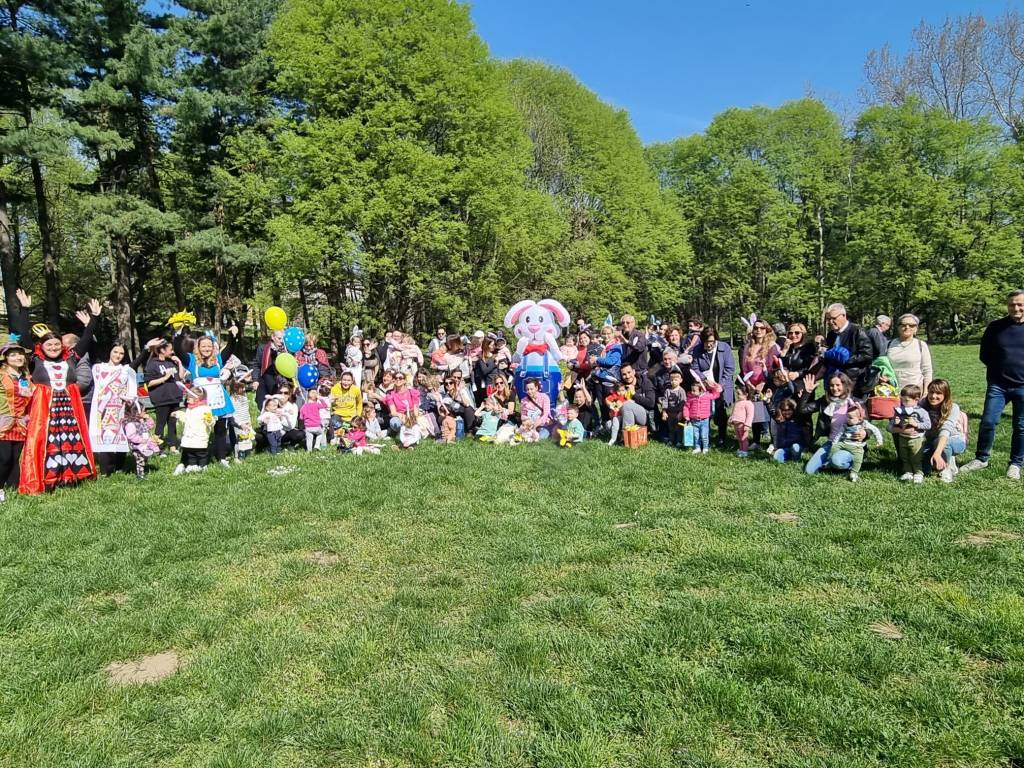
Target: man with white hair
x=879 y=335
x=844 y=335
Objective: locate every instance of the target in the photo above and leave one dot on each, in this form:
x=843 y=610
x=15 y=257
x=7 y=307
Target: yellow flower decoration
x=180 y=319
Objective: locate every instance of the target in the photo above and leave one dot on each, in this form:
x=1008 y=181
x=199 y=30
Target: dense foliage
x=367 y=161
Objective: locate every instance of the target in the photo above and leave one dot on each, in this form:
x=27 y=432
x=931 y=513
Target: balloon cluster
x=294 y=339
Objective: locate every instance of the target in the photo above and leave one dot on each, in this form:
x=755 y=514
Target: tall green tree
x=623 y=246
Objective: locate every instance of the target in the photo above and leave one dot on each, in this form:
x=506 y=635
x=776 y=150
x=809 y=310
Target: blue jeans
x=792 y=453
x=820 y=460
x=996 y=397
x=394 y=424
x=954 y=447
x=702 y=433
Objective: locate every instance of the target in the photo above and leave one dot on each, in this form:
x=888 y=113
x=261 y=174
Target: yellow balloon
x=275 y=318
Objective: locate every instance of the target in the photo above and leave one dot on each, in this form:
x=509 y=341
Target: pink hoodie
x=698 y=407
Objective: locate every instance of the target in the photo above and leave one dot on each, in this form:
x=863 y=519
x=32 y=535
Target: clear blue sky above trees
x=674 y=65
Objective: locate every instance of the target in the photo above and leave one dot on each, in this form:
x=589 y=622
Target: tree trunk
x=145 y=139
x=10 y=263
x=46 y=246
x=305 y=305
x=120 y=277
x=821 y=262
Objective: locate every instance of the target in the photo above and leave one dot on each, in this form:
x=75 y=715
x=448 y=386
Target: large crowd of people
x=66 y=416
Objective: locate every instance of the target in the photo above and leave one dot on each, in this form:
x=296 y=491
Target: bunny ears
x=748 y=322
x=559 y=312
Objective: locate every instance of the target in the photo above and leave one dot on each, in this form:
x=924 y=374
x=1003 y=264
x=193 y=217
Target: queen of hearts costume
x=57 y=450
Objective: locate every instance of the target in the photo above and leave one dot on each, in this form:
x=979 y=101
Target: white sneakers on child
x=1013 y=473
x=918 y=478
x=906 y=477
x=225 y=463
x=854 y=477
x=178 y=470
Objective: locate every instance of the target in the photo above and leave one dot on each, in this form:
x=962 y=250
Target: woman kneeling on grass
x=832 y=408
x=947 y=438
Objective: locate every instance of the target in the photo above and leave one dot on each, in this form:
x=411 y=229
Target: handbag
x=689 y=436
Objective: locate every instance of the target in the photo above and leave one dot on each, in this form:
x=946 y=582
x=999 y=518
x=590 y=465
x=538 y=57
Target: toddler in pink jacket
x=742 y=418
x=700 y=401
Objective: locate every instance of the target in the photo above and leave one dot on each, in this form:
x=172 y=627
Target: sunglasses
x=908 y=325
x=795 y=333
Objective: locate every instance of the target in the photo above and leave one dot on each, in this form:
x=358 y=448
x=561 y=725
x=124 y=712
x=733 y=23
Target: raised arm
x=89 y=321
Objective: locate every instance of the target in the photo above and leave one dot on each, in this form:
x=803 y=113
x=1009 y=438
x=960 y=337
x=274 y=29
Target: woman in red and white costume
x=57 y=450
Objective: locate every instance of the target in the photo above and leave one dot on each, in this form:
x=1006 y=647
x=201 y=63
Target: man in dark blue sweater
x=1002 y=352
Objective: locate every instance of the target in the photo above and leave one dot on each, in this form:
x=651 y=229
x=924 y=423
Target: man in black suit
x=843 y=333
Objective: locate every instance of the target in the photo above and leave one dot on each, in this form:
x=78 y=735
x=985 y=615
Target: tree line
x=366 y=162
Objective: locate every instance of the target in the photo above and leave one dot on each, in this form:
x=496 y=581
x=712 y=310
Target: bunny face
x=535 y=320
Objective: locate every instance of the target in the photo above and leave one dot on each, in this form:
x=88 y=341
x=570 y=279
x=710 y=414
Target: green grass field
x=476 y=605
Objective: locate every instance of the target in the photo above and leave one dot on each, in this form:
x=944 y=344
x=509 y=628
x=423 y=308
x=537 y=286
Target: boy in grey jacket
x=908 y=424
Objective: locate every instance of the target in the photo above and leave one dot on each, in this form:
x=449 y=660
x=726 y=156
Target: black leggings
x=10 y=462
x=163 y=419
x=109 y=463
x=220 y=437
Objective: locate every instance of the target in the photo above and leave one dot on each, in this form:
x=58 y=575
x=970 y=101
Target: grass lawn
x=478 y=605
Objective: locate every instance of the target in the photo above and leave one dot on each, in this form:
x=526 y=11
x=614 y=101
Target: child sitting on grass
x=355 y=442
x=488 y=417
x=787 y=434
x=410 y=433
x=573 y=431
x=908 y=425
x=374 y=432
x=854 y=438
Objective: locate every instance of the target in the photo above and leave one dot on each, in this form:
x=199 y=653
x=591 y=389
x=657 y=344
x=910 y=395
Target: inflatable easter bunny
x=537 y=325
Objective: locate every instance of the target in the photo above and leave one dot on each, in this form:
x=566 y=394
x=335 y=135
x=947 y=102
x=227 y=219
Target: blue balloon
x=308 y=376
x=294 y=339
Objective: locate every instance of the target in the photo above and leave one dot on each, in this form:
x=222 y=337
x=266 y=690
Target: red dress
x=57 y=450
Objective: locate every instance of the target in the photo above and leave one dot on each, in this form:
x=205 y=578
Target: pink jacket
x=310 y=413
x=742 y=413
x=698 y=407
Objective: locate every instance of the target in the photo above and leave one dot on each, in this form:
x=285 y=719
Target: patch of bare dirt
x=987 y=538
x=785 y=517
x=146 y=669
x=322 y=558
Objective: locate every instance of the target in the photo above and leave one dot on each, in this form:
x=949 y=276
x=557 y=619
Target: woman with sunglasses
x=799 y=354
x=910 y=357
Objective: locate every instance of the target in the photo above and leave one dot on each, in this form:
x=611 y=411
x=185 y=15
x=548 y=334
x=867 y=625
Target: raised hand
x=810 y=382
x=233 y=330
x=24 y=299
x=83 y=316
x=94 y=307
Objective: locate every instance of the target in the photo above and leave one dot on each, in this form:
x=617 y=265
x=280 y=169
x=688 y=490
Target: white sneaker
x=3 y=495
x=178 y=470
x=918 y=478
x=1013 y=473
x=973 y=466
x=225 y=463
x=697 y=451
x=906 y=477
x=854 y=477
x=952 y=466
x=947 y=474
x=192 y=468
x=742 y=454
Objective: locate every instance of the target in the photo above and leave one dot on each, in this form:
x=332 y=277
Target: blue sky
x=674 y=64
